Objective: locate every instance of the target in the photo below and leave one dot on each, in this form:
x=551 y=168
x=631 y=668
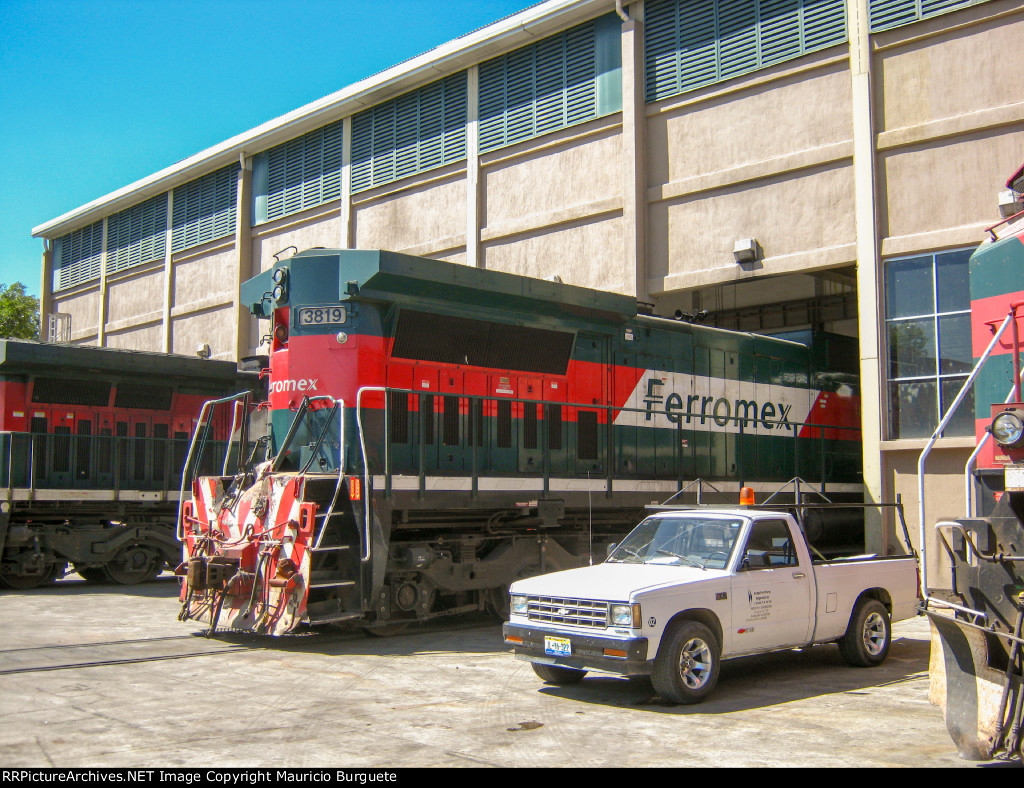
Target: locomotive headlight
x=279 y=275
x=1008 y=429
x=626 y=616
x=278 y=293
x=518 y=604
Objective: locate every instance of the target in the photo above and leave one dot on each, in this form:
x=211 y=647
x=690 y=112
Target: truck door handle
x=799 y=575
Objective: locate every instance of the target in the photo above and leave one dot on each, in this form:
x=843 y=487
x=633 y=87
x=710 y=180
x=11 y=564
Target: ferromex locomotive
x=437 y=431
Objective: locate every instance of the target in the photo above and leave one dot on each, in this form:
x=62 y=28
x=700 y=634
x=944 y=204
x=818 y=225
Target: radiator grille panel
x=559 y=610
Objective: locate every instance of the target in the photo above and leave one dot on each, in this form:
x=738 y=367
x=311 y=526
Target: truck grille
x=577 y=612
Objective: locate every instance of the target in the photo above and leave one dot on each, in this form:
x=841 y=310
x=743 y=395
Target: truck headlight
x=626 y=616
x=518 y=605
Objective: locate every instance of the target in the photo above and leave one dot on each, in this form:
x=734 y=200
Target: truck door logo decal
x=760 y=604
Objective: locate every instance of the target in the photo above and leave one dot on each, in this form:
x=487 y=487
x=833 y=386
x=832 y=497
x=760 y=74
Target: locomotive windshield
x=686 y=540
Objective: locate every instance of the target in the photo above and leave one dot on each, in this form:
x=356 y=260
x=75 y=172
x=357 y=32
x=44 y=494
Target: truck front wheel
x=867 y=639
x=555 y=674
x=687 y=665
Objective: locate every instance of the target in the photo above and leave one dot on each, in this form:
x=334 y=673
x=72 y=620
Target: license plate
x=558 y=647
x=322 y=315
x=1014 y=478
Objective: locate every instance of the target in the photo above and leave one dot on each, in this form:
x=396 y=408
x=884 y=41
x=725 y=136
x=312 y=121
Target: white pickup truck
x=688 y=588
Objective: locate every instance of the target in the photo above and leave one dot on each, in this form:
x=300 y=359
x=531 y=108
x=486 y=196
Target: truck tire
x=688 y=662
x=556 y=674
x=867 y=639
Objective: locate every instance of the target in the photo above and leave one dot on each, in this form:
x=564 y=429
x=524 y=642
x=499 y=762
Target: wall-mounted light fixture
x=1010 y=203
x=746 y=250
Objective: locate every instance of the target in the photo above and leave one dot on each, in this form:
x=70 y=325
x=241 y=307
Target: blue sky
x=95 y=94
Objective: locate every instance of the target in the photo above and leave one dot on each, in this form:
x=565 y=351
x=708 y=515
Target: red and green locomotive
x=93 y=442
x=976 y=600
x=437 y=431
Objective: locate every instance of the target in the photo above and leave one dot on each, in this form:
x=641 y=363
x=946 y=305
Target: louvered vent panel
x=413 y=133
x=693 y=43
x=77 y=256
x=205 y=209
x=65 y=391
x=887 y=14
x=304 y=172
x=540 y=88
x=459 y=340
x=137 y=235
x=142 y=396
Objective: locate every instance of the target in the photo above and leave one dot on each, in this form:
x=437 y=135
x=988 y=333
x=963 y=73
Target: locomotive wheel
x=92 y=574
x=497 y=600
x=22 y=582
x=134 y=564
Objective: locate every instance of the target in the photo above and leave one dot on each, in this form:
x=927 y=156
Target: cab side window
x=769 y=544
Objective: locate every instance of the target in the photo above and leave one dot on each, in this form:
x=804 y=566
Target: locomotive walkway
x=105 y=676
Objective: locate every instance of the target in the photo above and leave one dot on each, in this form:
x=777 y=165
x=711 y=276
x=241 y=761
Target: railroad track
x=68 y=656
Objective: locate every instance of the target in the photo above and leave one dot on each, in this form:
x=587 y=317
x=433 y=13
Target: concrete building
x=637 y=147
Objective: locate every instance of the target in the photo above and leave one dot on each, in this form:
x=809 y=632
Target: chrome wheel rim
x=695 y=663
x=874 y=634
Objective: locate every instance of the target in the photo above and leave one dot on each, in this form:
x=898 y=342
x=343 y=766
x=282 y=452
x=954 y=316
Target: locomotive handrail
x=610 y=410
x=950 y=412
x=202 y=426
x=365 y=557
x=234 y=423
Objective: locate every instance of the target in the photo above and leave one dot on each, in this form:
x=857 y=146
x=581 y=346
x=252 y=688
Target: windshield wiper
x=683 y=557
x=626 y=550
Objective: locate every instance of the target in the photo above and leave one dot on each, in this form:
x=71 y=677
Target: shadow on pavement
x=762 y=680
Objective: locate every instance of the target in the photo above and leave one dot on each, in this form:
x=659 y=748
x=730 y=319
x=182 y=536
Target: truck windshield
x=683 y=541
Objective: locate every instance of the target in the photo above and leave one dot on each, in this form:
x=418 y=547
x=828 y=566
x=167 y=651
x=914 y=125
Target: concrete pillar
x=347 y=240
x=243 y=248
x=473 y=212
x=46 y=290
x=634 y=159
x=102 y=322
x=168 y=271
x=869 y=267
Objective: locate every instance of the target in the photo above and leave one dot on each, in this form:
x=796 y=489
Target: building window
x=204 y=209
x=560 y=81
x=692 y=43
x=300 y=174
x=77 y=257
x=137 y=235
x=887 y=14
x=928 y=332
x=413 y=133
